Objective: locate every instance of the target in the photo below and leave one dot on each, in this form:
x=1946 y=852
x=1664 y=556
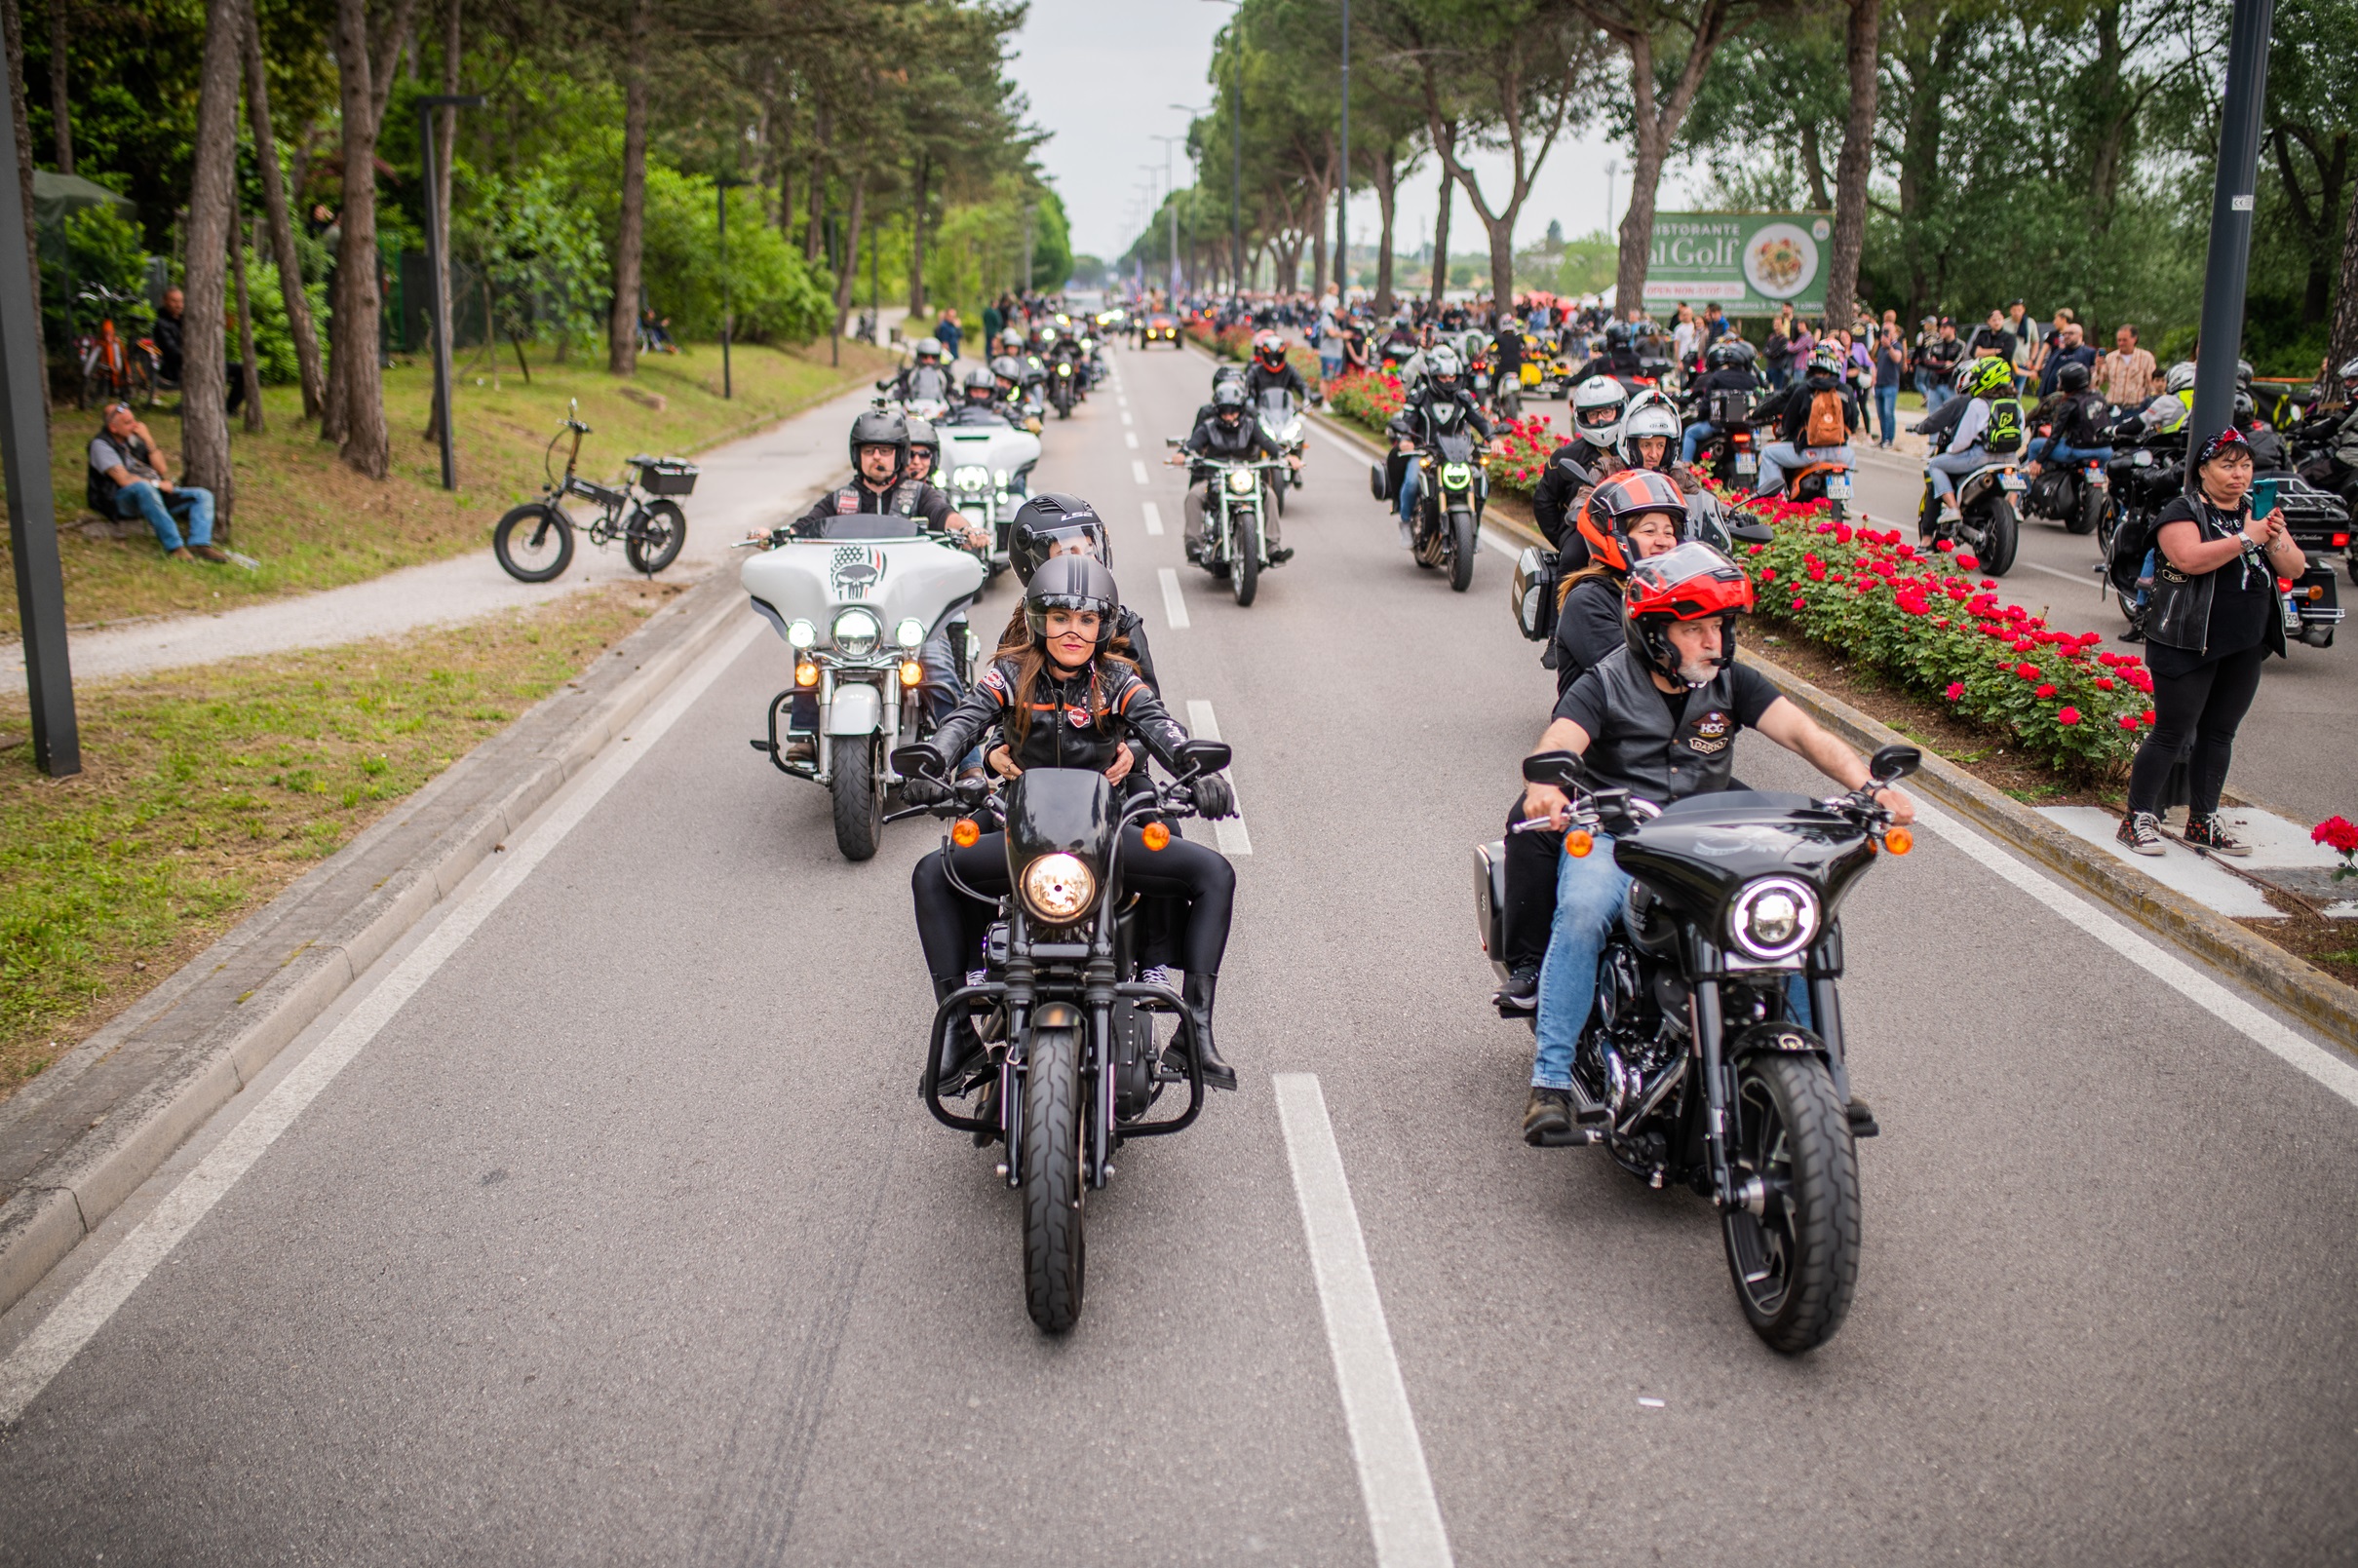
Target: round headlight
x=1240 y=481
x=1002 y=479
x=856 y=633
x=1059 y=888
x=1063 y=369
x=1774 y=918
x=1456 y=475
x=974 y=477
x=802 y=634
x=910 y=633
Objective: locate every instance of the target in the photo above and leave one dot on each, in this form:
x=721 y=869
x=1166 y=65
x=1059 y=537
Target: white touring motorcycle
x=987 y=469
x=856 y=605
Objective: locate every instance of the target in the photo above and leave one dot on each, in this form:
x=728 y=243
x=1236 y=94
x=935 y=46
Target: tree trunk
x=916 y=238
x=845 y=279
x=1654 y=130
x=445 y=152
x=282 y=227
x=211 y=204
x=1502 y=258
x=1387 y=198
x=1861 y=41
x=2341 y=342
x=356 y=394
x=61 y=100
x=252 y=366
x=622 y=329
x=11 y=41
x=1441 y=232
x=814 y=225
x=1813 y=160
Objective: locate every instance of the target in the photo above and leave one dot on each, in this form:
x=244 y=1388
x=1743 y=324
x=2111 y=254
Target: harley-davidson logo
x=856 y=570
x=1077 y=718
x=1712 y=733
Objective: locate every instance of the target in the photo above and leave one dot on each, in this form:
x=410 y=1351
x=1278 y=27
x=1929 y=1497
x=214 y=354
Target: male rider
x=1598 y=404
x=1959 y=430
x=978 y=402
x=2079 y=421
x=1271 y=369
x=1803 y=430
x=1730 y=368
x=1657 y=717
x=1233 y=434
x=1443 y=382
x=924 y=379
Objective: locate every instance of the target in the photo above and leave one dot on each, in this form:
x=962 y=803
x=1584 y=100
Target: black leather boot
x=961 y=1047
x=1196 y=994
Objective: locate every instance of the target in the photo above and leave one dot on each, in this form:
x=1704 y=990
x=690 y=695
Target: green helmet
x=1989 y=374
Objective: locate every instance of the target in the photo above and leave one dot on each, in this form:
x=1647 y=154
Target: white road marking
x=1402 y=1514
x=1234 y=838
x=1339 y=444
x=2086 y=579
x=1175 y=608
x=1124 y=402
x=1154 y=518
x=1130 y=438
x=2327 y=1067
x=1512 y=548
x=1137 y=471
x=61 y=1336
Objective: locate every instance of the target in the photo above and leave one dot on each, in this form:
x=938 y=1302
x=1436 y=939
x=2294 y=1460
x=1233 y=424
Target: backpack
x=1827 y=425
x=2004 y=432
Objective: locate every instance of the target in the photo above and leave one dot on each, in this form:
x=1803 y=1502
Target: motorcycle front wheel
x=1461 y=550
x=534 y=542
x=1244 y=574
x=655 y=539
x=1055 y=1250
x=858 y=786
x=1793 y=1239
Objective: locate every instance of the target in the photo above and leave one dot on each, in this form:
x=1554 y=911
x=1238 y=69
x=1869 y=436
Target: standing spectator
x=1991 y=339
x=994 y=319
x=1890 y=363
x=2068 y=349
x=129 y=479
x=1777 y=354
x=1801 y=346
x=1329 y=339
x=950 y=332
x=1685 y=334
x=1941 y=359
x=2212 y=624
x=2127 y=376
x=1716 y=324
x=2025 y=351
x=1928 y=334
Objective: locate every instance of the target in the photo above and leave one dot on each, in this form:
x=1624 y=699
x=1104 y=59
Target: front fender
x=857 y=708
x=1785 y=1039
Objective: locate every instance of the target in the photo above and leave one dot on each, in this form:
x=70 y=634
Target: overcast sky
x=1102 y=73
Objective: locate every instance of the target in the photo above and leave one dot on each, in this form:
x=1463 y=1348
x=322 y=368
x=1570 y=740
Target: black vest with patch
x=1643 y=752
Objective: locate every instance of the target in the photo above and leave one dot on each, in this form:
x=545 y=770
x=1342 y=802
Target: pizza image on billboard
x=1780 y=260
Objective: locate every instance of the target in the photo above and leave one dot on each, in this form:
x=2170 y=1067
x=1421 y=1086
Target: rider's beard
x=1698 y=671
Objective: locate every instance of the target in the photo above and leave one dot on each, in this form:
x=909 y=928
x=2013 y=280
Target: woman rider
x=1637 y=513
x=1063 y=696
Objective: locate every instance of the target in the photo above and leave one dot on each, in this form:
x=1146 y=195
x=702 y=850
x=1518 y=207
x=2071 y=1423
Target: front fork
x=1709 y=1022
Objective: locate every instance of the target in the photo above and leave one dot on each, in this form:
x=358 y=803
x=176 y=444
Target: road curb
x=155 y=1073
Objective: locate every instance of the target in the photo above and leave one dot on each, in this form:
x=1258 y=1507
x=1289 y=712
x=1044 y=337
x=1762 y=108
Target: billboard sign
x=1750 y=262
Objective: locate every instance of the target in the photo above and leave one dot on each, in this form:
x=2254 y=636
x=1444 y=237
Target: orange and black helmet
x=1617 y=503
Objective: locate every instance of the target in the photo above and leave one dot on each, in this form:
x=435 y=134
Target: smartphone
x=2263 y=496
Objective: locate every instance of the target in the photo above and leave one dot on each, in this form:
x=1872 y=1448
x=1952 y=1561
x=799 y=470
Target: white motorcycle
x=857 y=605
x=987 y=469
x=1280 y=420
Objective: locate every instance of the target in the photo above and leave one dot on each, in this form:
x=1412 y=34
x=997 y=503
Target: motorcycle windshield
x=869 y=525
x=1702 y=849
x=1455 y=447
x=1277 y=404
x=1053 y=811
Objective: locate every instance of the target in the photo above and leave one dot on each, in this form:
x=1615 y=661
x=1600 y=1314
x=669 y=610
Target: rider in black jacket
x=1443 y=382
x=1230 y=432
x=1060 y=699
x=1597 y=403
x=1270 y=369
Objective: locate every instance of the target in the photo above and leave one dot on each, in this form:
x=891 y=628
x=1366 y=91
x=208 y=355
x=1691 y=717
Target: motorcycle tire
x=1461 y=550
x=2001 y=534
x=546 y=548
x=1244 y=573
x=1056 y=1253
x=857 y=785
x=2108 y=523
x=663 y=528
x=1795 y=1263
x=1927 y=518
x=2090 y=511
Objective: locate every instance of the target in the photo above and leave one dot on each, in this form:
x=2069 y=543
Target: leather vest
x=902 y=499
x=1643 y=752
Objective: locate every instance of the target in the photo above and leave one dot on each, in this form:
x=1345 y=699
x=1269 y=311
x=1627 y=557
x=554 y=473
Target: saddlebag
x=1489 y=896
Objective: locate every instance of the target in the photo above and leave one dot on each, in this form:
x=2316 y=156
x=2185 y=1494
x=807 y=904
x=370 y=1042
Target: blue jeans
x=1936 y=393
x=1888 y=410
x=1701 y=431
x=1947 y=467
x=162 y=509
x=1410 y=487
x=2049 y=449
x=1329 y=365
x=1778 y=456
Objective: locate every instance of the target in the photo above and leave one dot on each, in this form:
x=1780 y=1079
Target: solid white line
x=1232 y=832
x=2086 y=579
x=61 y=1336
x=2327 y=1067
x=1339 y=444
x=1154 y=518
x=1175 y=608
x=1137 y=471
x=1402 y=1514
x=1512 y=548
x=1129 y=439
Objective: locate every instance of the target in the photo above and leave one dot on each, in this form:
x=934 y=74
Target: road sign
x=1751 y=264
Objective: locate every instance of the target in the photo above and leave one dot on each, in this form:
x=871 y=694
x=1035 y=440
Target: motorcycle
x=1985 y=522
x=1454 y=487
x=1072 y=1069
x=1692 y=1068
x=1064 y=385
x=1731 y=457
x=2074 y=493
x=1280 y=420
x=1236 y=539
x=987 y=468
x=856 y=604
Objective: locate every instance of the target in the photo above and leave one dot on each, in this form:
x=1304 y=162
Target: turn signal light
x=911 y=671
x=1898 y=840
x=966 y=832
x=806 y=674
x=1578 y=842
x=1156 y=835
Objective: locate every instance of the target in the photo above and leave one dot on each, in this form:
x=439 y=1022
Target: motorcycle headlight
x=1773 y=919
x=910 y=633
x=802 y=634
x=972 y=478
x=1002 y=477
x=1063 y=369
x=1240 y=481
x=1059 y=888
x=857 y=634
x=1457 y=476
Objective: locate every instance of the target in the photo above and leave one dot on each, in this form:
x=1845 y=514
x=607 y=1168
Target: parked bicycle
x=534 y=542
x=115 y=368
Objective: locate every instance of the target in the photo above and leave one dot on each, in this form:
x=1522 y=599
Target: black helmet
x=1070 y=583
x=922 y=436
x=1043 y=525
x=980 y=384
x=1728 y=354
x=2073 y=377
x=1229 y=398
x=880 y=427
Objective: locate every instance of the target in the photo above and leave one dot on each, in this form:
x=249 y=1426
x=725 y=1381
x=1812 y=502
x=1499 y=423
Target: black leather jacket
x=1111 y=701
x=1557 y=499
x=1413 y=413
x=929 y=504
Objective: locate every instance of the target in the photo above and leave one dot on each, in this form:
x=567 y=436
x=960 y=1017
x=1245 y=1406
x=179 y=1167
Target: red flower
x=1956 y=689
x=2026 y=671
x=1971 y=563
x=2046 y=689
x=2128 y=721
x=2067 y=715
x=1799 y=603
x=2104 y=683
x=1944 y=545
x=2338 y=834
x=2145 y=717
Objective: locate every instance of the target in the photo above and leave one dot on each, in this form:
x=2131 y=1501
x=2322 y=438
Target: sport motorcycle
x=1452 y=488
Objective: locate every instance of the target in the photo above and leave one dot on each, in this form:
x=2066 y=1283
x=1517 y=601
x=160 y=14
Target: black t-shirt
x=1585 y=703
x=2243 y=596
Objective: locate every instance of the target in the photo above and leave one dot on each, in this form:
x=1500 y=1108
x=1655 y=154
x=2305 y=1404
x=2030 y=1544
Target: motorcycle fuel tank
x=899 y=579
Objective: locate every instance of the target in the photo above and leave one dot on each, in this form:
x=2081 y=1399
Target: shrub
x=1521 y=452
x=1367 y=398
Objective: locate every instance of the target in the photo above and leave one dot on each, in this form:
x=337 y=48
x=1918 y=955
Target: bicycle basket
x=665 y=475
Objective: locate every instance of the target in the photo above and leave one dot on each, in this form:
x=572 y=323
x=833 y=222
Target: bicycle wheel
x=655 y=537
x=534 y=542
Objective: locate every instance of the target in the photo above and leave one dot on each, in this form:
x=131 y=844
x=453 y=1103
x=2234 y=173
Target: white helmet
x=2181 y=377
x=1597 y=406
x=1649 y=414
x=928 y=348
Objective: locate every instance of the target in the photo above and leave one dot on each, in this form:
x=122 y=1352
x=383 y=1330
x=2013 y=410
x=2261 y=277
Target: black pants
x=1530 y=891
x=951 y=925
x=2196 y=717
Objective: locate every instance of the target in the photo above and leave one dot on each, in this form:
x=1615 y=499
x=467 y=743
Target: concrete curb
x=83 y=1137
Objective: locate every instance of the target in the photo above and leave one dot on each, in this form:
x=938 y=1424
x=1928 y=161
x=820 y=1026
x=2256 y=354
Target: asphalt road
x=623 y=1240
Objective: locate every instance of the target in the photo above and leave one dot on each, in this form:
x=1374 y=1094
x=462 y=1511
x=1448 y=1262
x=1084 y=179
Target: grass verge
x=204 y=791
x=313 y=523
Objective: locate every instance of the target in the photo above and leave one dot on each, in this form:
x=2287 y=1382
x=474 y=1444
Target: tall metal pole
x=720 y=190
x=1236 y=161
x=1342 y=193
x=437 y=241
x=32 y=509
x=2232 y=190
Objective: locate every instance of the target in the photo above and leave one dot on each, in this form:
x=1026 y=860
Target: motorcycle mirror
x=1894 y=762
x=1172 y=442
x=916 y=761
x=1562 y=768
x=1204 y=756
x=1751 y=530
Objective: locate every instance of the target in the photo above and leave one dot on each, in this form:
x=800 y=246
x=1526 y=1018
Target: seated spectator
x=127 y=480
x=169 y=325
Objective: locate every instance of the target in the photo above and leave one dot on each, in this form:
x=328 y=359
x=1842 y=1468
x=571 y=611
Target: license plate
x=2011 y=482
x=1748 y=463
x=1838 y=489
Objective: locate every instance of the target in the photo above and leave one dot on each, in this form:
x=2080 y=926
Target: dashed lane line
x=1174 y=606
x=1154 y=518
x=1234 y=838
x=1137 y=471
x=1129 y=439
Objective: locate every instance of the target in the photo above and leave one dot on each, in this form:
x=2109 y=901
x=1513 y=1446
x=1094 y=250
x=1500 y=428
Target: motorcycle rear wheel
x=2090 y=511
x=1795 y=1263
x=2001 y=533
x=858 y=787
x=546 y=546
x=1461 y=550
x=1055 y=1247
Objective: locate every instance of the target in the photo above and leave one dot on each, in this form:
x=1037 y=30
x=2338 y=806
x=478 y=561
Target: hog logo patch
x=1712 y=733
x=1077 y=718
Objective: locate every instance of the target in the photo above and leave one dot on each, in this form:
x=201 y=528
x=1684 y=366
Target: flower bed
x=1920 y=619
x=1521 y=452
x=1367 y=398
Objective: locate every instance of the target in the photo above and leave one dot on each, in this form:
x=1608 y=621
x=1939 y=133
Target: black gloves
x=1214 y=799
x=920 y=791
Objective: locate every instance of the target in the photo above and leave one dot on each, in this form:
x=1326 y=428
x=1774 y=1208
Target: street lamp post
x=2231 y=211
x=1171 y=194
x=722 y=186
x=437 y=241
x=1342 y=189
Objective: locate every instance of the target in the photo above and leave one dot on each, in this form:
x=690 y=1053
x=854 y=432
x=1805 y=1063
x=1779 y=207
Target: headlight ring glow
x=910 y=633
x=802 y=634
x=1773 y=919
x=856 y=633
x=1457 y=476
x=972 y=478
x=1059 y=888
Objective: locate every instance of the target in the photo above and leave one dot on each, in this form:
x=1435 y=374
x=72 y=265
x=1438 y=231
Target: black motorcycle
x=1071 y=1069
x=1454 y=486
x=1731 y=456
x=1691 y=1068
x=2074 y=493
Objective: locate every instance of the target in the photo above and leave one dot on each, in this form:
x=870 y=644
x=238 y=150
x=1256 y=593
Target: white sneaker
x=976 y=976
x=1154 y=975
x=1408 y=540
x=2142 y=833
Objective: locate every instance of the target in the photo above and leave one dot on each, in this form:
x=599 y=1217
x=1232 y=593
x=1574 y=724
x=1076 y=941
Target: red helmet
x=1617 y=503
x=1271 y=350
x=1692 y=583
